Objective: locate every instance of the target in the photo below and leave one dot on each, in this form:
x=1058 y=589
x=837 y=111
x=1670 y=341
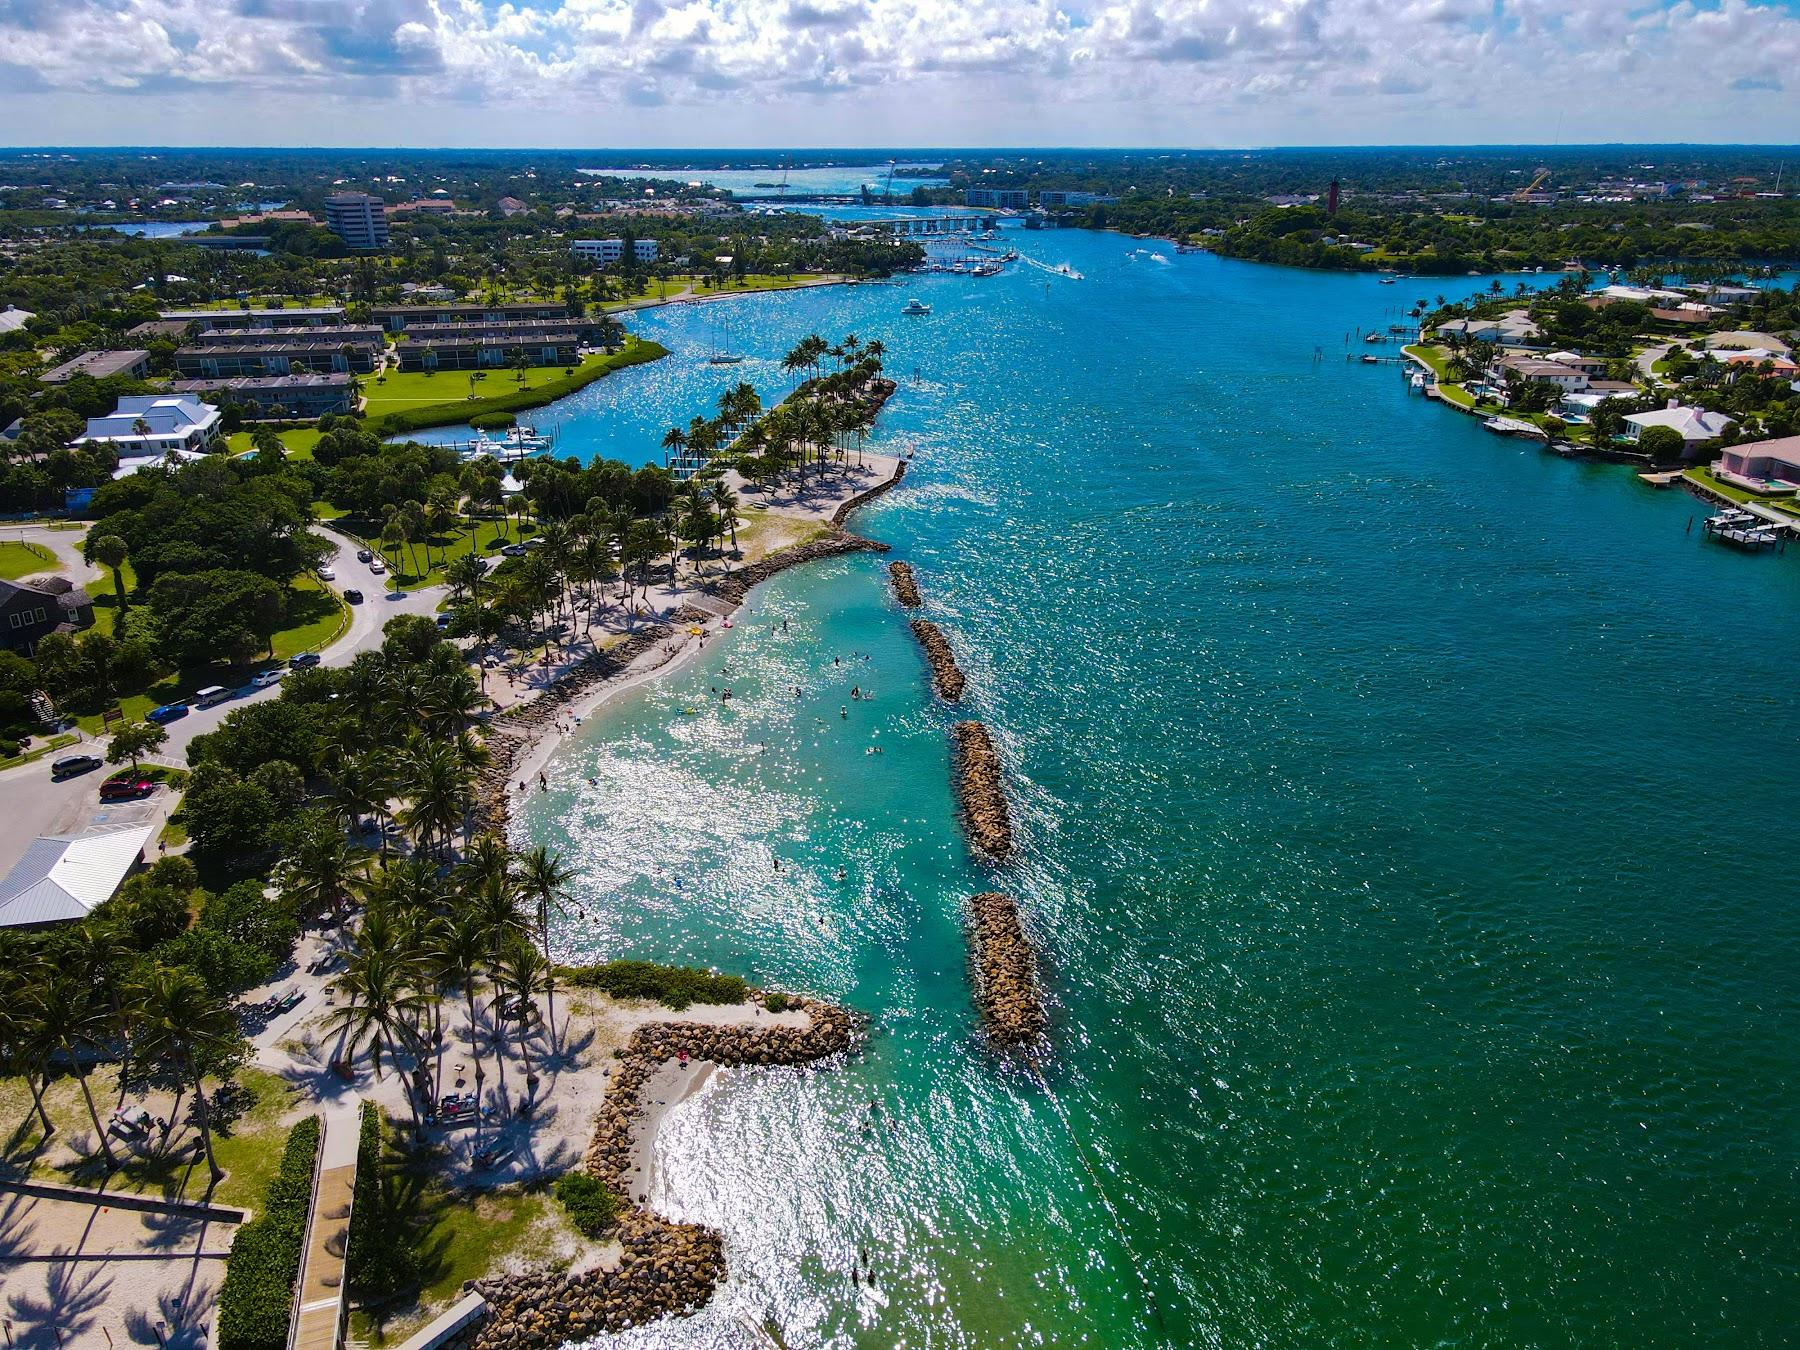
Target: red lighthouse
x=1331 y=199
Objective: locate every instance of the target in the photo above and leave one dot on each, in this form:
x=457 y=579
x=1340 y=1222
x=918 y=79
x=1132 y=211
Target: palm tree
x=382 y=1003
x=65 y=1012
x=437 y=788
x=541 y=878
x=110 y=551
x=322 y=868
x=181 y=1021
x=674 y=441
x=24 y=1051
x=360 y=786
x=518 y=973
x=459 y=951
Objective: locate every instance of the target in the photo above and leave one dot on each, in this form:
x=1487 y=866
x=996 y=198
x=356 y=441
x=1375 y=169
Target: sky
x=753 y=73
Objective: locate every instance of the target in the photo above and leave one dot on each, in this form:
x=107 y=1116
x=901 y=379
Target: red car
x=126 y=785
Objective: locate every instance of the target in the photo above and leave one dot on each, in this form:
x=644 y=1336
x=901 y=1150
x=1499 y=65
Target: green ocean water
x=1406 y=817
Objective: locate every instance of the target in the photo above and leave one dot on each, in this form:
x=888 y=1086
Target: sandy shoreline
x=810 y=506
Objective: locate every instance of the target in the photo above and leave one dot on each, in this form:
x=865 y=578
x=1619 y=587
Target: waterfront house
x=396 y=318
x=207 y=320
x=1477 y=330
x=1590 y=366
x=277 y=397
x=1541 y=371
x=99 y=365
x=31 y=609
x=152 y=424
x=1696 y=425
x=1762 y=466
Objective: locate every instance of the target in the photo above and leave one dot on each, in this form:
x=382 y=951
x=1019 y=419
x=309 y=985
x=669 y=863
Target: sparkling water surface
x=1405 y=816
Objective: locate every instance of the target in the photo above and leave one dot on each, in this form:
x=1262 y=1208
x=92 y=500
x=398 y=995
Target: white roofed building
x=63 y=877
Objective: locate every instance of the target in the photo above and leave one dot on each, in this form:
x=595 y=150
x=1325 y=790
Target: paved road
x=66 y=545
x=33 y=804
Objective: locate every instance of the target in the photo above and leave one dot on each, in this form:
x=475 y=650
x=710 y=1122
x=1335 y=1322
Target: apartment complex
x=1000 y=199
x=213 y=320
x=276 y=397
x=357 y=219
x=486 y=351
x=606 y=251
x=222 y=361
x=396 y=318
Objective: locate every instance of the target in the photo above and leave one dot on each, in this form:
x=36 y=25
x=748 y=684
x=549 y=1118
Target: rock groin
x=735 y=587
x=946 y=675
x=1005 y=965
x=665 y=1267
x=978 y=788
x=906 y=587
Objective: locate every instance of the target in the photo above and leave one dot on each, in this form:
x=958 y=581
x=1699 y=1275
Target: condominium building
x=606 y=251
x=396 y=318
x=486 y=352
x=357 y=219
x=1002 y=199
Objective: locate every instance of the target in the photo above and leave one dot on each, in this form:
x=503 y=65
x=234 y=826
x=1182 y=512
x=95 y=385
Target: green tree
x=135 y=739
x=111 y=551
x=181 y=1022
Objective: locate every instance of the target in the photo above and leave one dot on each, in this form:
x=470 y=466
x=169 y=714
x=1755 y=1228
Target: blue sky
x=861 y=72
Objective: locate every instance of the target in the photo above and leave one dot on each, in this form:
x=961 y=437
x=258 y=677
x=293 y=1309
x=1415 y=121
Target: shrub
x=673 y=986
x=382 y=1258
x=258 y=1292
x=493 y=421
x=589 y=1202
x=776 y=1002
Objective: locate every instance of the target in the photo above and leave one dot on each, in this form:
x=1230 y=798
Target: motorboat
x=915 y=306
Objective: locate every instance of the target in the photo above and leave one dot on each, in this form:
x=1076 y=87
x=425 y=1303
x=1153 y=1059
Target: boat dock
x=1751 y=527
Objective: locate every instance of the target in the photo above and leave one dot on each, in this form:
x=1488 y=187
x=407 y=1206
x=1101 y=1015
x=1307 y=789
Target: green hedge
x=494 y=421
x=591 y=1205
x=382 y=1258
x=257 y=1297
x=452 y=414
x=674 y=986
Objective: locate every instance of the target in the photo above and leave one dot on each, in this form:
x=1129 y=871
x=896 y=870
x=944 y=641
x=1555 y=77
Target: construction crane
x=1524 y=193
x=781 y=192
x=887 y=191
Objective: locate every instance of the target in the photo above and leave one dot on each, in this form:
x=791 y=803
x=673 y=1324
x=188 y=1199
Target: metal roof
x=62 y=877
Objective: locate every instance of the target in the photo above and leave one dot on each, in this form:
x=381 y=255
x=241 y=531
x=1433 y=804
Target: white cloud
x=910 y=71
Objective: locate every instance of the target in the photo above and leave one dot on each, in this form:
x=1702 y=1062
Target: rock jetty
x=665 y=1268
x=946 y=675
x=906 y=587
x=735 y=587
x=1005 y=965
x=985 y=815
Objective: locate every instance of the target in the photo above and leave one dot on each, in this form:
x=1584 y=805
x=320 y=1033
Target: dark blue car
x=167 y=713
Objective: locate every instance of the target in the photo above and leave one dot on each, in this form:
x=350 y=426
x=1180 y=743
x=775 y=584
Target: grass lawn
x=248 y=1147
x=485 y=539
x=416 y=399
x=271 y=302
x=1455 y=393
x=20 y=559
x=1704 y=477
x=317 y=614
x=1435 y=357
x=106 y=599
x=299 y=442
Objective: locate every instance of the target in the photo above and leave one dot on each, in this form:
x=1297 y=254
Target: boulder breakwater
x=1005 y=966
x=946 y=675
x=664 y=1268
x=906 y=586
x=978 y=789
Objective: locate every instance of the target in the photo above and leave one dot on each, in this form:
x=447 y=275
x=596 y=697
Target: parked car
x=70 y=765
x=482 y=565
x=327 y=574
x=363 y=555
x=169 y=712
x=264 y=678
x=443 y=621
x=213 y=693
x=514 y=550
x=378 y=567
x=353 y=596
x=305 y=659
x=126 y=785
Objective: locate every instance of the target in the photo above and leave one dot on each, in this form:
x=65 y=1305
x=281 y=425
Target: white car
x=263 y=679
x=327 y=574
x=378 y=567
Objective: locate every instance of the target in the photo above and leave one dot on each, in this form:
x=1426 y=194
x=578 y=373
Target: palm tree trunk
x=93 y=1112
x=205 y=1118
x=37 y=1100
x=475 y=1050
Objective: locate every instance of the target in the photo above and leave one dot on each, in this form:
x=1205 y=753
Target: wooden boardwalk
x=318 y=1321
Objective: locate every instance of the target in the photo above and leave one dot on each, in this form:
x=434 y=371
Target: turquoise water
x=1405 y=816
